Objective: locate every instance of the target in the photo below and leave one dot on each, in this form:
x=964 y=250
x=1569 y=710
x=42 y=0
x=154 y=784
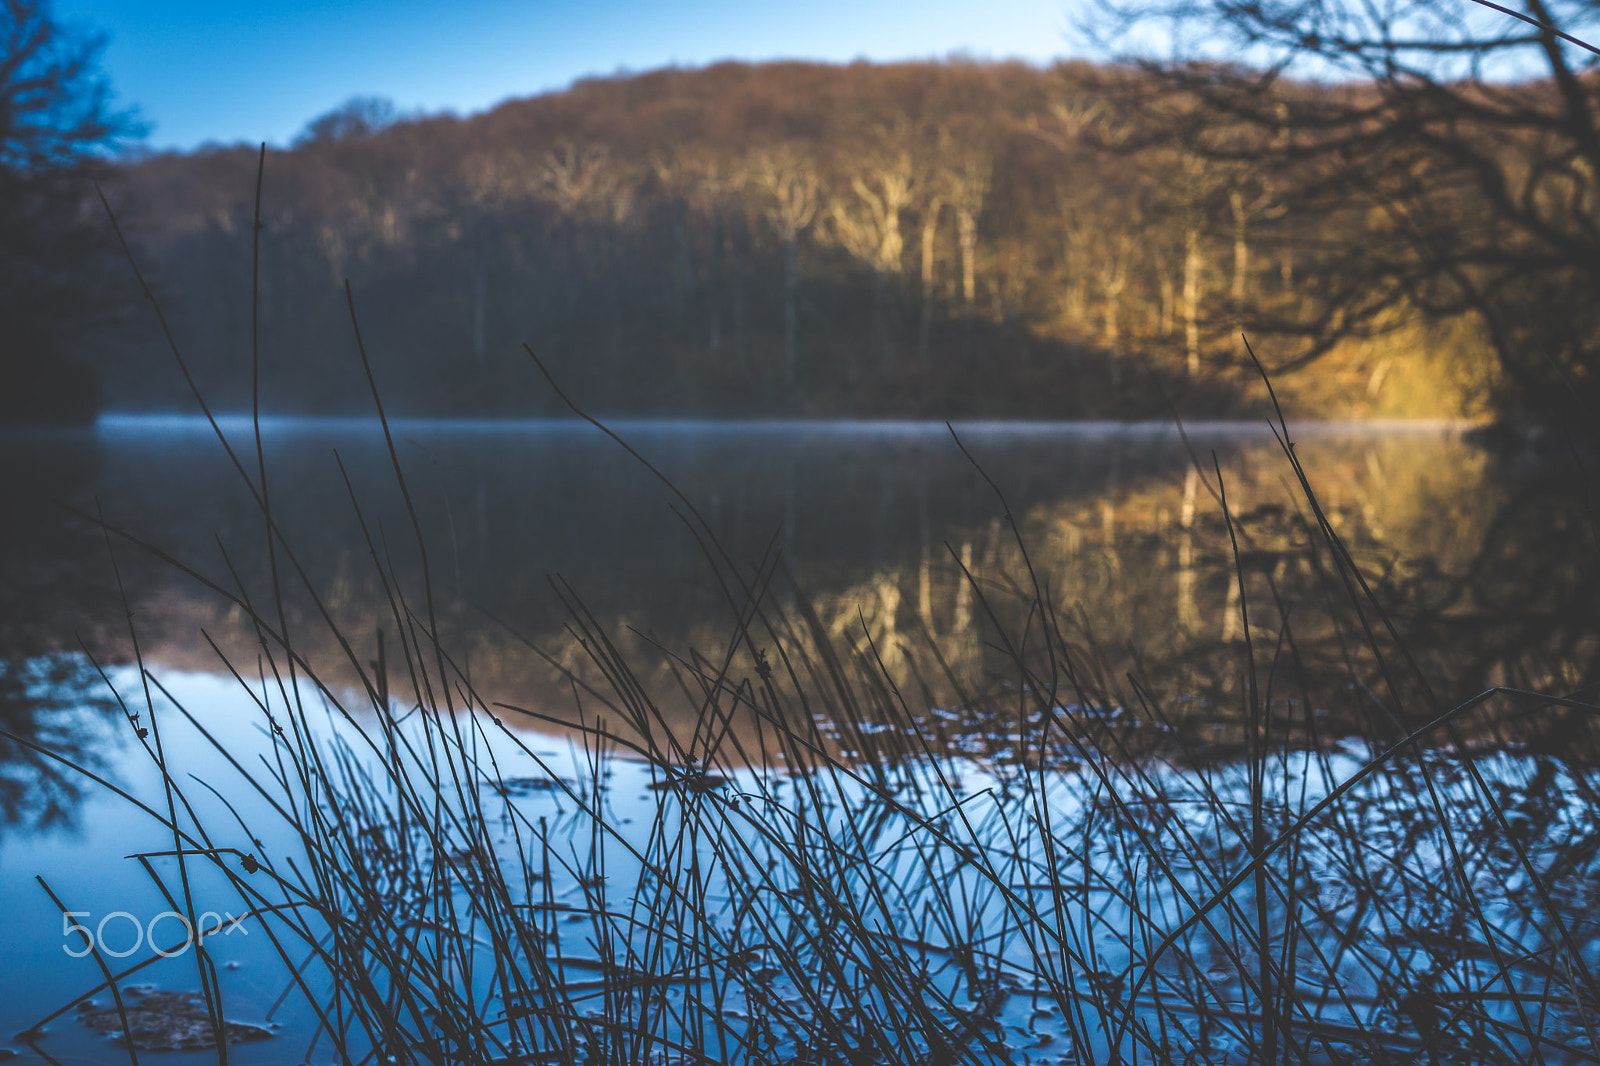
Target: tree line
x=58 y=289
x=944 y=238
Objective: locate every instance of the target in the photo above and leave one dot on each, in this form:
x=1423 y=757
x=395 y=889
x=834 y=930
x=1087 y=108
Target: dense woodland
x=948 y=239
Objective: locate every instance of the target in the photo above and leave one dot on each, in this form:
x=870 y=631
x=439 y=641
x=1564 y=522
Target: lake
x=788 y=648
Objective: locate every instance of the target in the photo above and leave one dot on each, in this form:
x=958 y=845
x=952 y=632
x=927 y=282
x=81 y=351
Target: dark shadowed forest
x=946 y=239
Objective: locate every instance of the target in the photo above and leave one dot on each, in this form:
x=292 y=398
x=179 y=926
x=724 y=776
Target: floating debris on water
x=693 y=780
x=164 y=1020
x=518 y=787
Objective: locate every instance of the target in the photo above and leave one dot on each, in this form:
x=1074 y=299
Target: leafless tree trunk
x=1241 y=249
x=573 y=176
x=1078 y=259
x=931 y=211
x=1192 y=265
x=967 y=234
x=678 y=179
x=1243 y=210
x=1169 y=297
x=968 y=180
x=1112 y=275
x=1442 y=189
x=868 y=226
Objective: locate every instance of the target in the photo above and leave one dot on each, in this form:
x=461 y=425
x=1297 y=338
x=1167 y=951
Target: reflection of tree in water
x=51 y=594
x=50 y=588
x=1486 y=573
x=50 y=702
x=1523 y=611
x=1480 y=576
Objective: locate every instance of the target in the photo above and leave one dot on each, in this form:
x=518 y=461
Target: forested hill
x=943 y=239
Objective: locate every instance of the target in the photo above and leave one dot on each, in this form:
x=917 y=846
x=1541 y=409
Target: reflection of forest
x=51 y=594
x=1481 y=573
x=1486 y=572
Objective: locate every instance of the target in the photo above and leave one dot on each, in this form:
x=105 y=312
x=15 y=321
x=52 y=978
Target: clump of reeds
x=815 y=879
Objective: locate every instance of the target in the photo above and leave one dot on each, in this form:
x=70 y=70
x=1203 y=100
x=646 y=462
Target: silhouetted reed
x=809 y=873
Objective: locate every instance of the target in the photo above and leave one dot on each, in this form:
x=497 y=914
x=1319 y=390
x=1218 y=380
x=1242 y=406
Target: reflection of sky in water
x=936 y=897
x=871 y=518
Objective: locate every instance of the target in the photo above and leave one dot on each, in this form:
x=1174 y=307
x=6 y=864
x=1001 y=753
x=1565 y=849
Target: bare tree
x=55 y=104
x=56 y=124
x=577 y=178
x=357 y=117
x=968 y=174
x=868 y=224
x=788 y=195
x=882 y=180
x=712 y=185
x=1192 y=189
x=953 y=167
x=1450 y=153
x=1113 y=258
x=930 y=206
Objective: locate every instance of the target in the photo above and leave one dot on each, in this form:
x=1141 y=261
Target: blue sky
x=200 y=70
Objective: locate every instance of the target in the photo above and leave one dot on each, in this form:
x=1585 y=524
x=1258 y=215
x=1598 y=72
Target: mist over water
x=869 y=517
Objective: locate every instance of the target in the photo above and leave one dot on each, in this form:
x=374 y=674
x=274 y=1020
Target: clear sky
x=213 y=70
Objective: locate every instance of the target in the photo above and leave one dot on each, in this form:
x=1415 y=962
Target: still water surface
x=1484 y=563
x=886 y=508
